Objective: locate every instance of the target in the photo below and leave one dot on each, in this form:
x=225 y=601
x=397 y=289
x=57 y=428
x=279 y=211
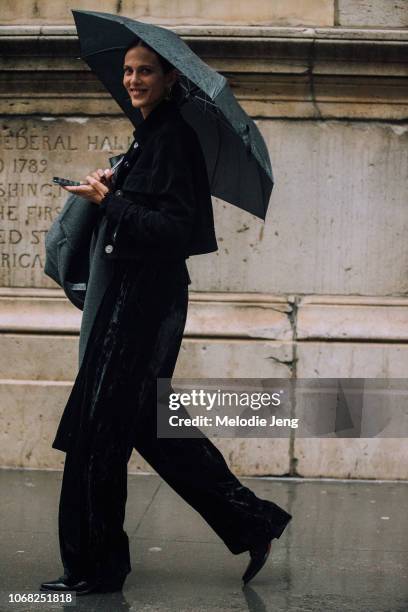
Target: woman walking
x=159 y=212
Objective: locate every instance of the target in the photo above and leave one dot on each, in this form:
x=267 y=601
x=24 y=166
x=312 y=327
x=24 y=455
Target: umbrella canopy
x=237 y=159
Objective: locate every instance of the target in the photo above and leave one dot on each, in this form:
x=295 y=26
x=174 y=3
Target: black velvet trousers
x=112 y=409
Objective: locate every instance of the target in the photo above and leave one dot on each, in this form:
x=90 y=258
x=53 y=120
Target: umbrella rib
x=219 y=114
x=122 y=47
x=206 y=102
x=217 y=124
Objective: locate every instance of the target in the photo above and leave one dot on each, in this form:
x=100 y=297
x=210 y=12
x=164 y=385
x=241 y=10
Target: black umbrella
x=238 y=163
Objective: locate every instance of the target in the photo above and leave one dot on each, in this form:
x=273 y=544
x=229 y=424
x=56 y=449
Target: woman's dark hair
x=177 y=93
x=138 y=42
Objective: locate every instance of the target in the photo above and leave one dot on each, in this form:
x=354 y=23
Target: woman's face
x=144 y=79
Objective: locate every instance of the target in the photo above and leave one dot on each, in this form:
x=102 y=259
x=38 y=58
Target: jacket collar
x=166 y=110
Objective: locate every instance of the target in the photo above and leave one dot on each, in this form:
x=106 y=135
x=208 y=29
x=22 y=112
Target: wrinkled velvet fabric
x=112 y=409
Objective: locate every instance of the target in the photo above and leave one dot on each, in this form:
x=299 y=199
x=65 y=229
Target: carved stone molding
x=232 y=315
x=314 y=73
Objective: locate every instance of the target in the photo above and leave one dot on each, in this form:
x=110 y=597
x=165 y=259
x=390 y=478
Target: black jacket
x=160 y=203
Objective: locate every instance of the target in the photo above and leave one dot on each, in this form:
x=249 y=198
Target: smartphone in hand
x=65 y=182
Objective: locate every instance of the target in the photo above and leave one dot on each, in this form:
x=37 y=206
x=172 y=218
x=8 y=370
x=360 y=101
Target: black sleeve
x=165 y=219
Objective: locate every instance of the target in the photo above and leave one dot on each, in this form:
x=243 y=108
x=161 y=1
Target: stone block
x=373 y=457
x=377 y=458
x=352 y=318
x=337 y=218
x=30 y=413
x=22 y=313
x=231 y=358
x=38 y=357
x=241 y=316
x=351 y=359
x=348 y=206
x=29 y=417
x=35 y=150
x=372 y=13
x=54 y=358
x=280 y=12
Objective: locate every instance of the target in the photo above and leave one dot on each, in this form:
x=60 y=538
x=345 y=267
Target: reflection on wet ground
x=345 y=549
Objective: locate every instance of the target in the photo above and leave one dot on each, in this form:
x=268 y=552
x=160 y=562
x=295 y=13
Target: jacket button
x=108 y=248
x=126 y=164
x=119 y=192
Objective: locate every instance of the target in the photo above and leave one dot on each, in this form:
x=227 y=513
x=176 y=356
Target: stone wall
x=319 y=290
x=373 y=13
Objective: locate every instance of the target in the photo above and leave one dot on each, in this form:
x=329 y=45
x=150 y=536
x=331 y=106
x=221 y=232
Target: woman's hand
x=96 y=186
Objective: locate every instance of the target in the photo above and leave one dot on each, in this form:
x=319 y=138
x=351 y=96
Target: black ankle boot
x=63 y=583
x=83 y=587
x=259 y=554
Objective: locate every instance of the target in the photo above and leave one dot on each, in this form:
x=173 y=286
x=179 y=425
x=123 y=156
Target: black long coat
x=159 y=212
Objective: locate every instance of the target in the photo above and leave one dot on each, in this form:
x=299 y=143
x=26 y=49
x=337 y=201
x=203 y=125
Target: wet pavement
x=346 y=548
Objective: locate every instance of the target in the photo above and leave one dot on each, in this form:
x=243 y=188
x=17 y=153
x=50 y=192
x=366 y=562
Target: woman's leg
x=93 y=544
x=198 y=472
x=69 y=519
x=194 y=467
